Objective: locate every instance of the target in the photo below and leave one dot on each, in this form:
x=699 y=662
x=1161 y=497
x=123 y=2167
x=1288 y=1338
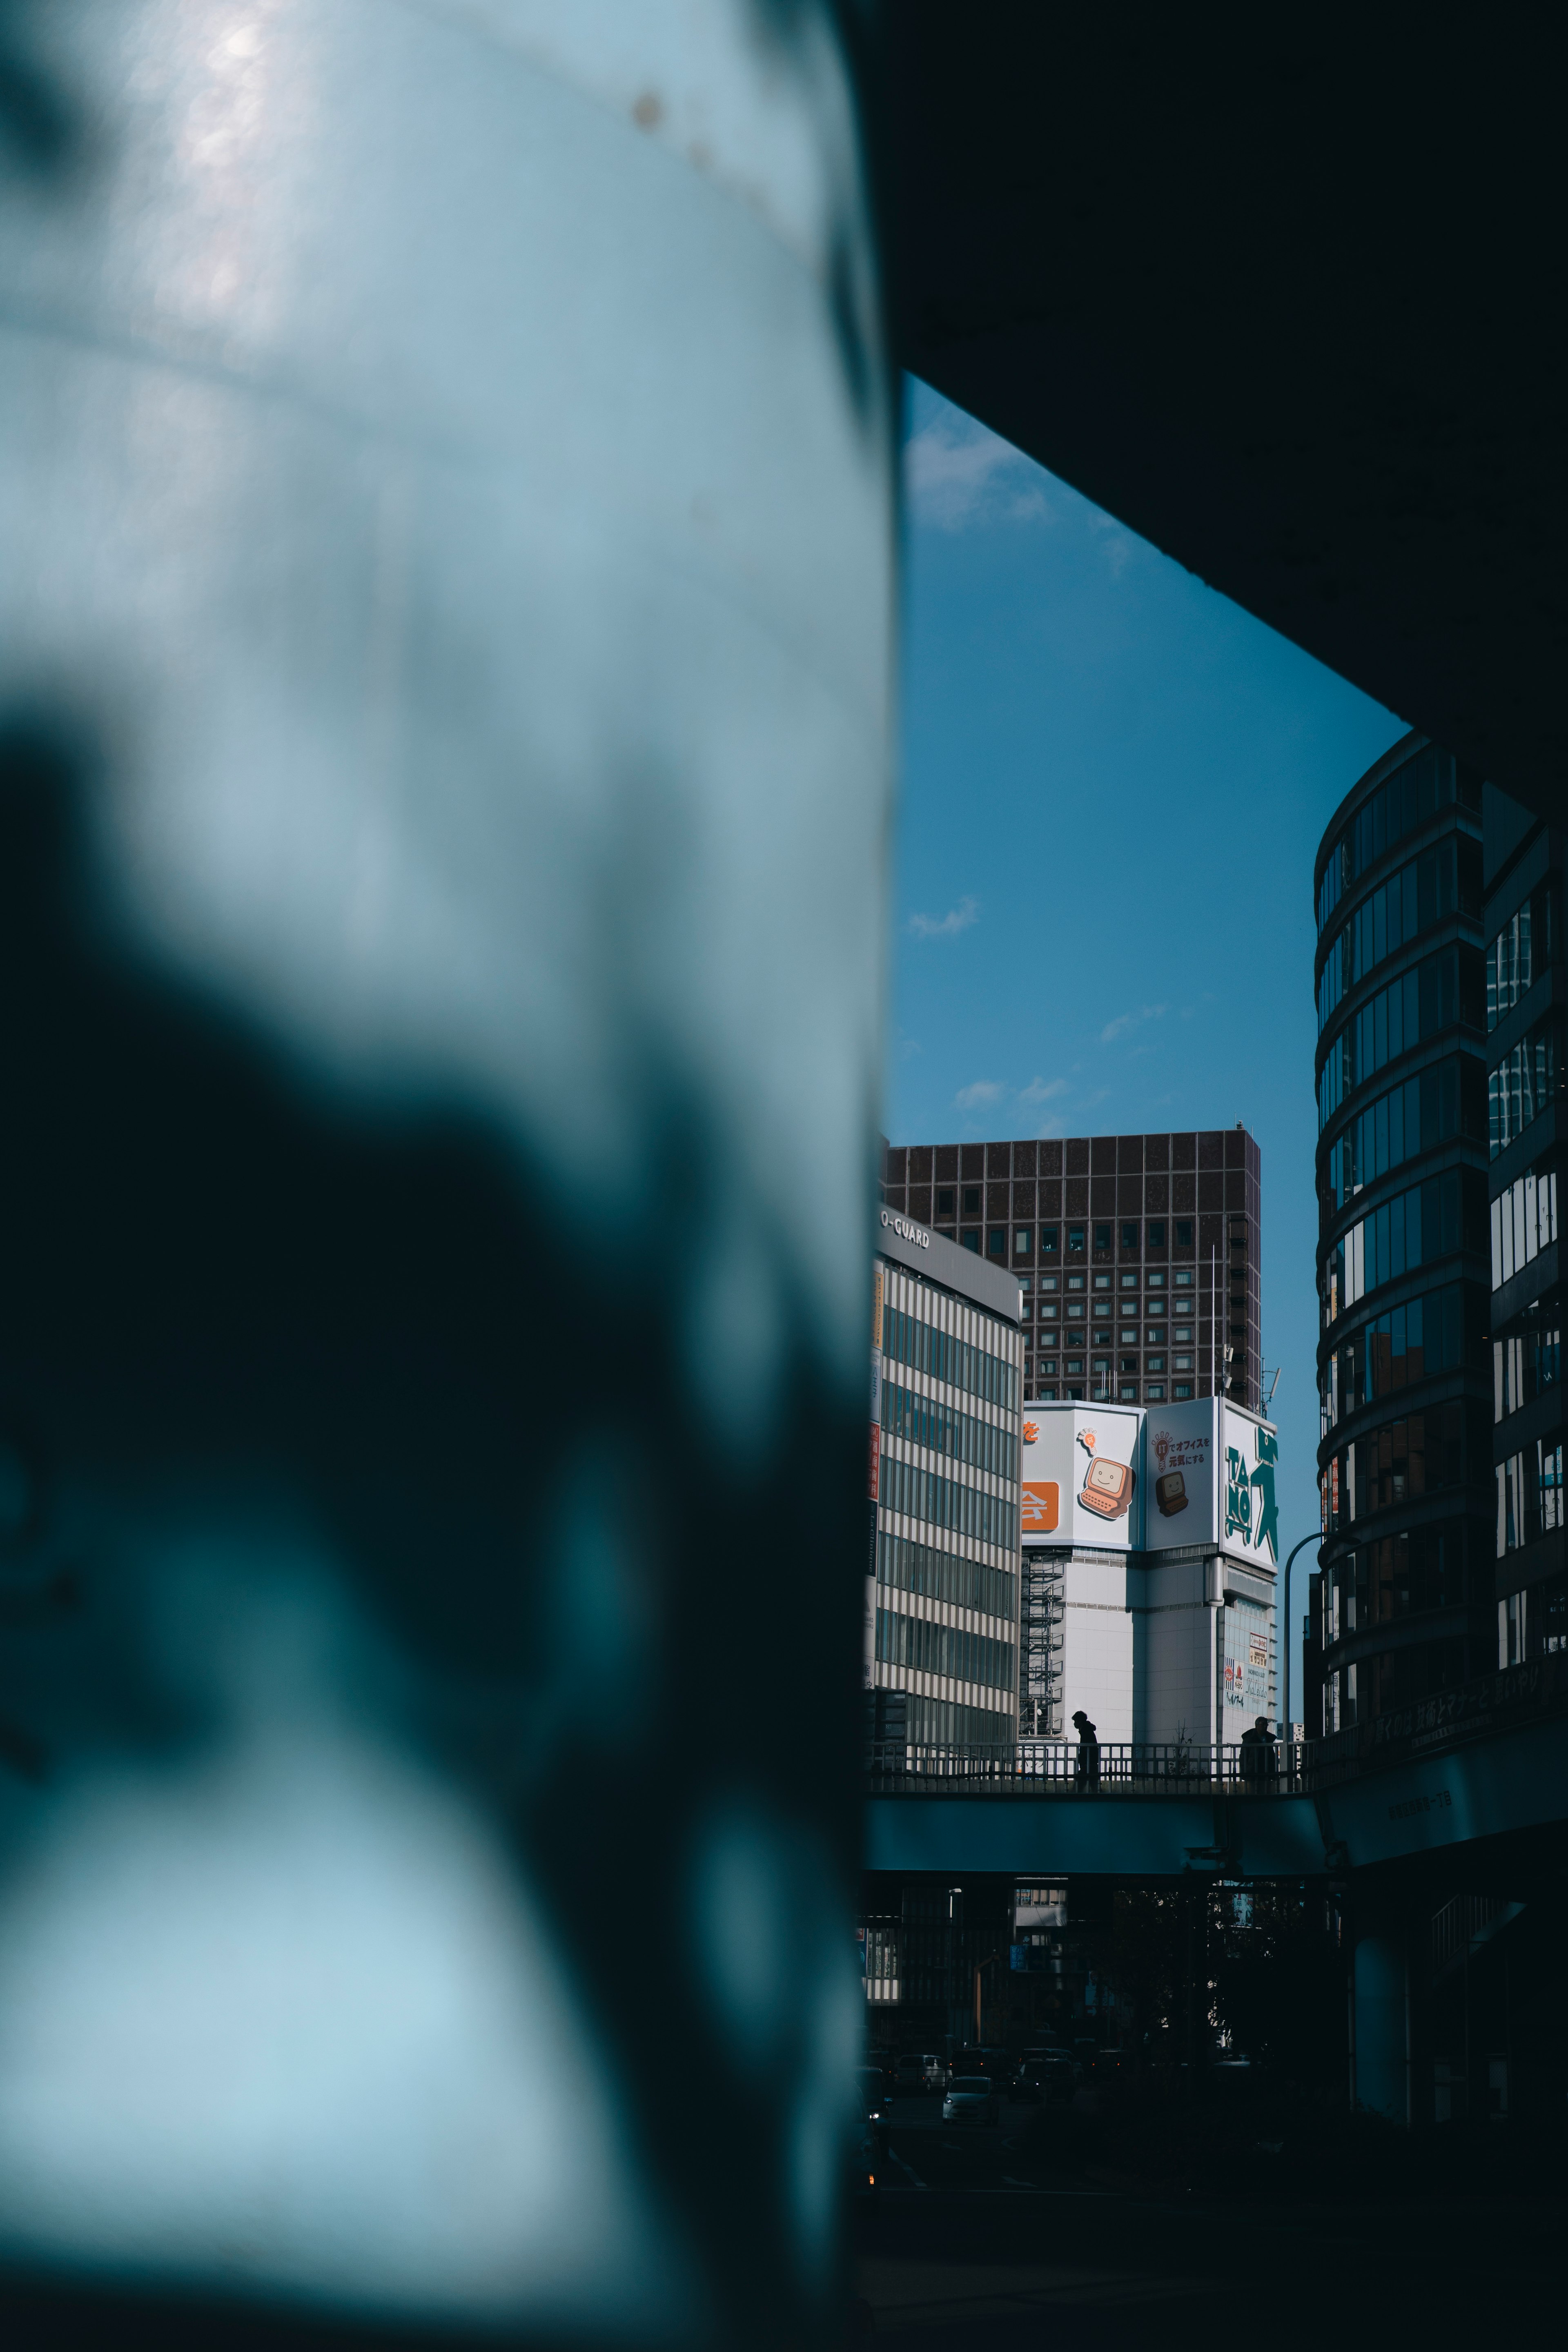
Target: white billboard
x=1082 y=1477
x=1249 y=1522
x=1174 y=1476
x=1180 y=1445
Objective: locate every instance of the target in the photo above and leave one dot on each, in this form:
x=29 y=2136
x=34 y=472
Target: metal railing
x=1035 y=1768
x=1051 y=1768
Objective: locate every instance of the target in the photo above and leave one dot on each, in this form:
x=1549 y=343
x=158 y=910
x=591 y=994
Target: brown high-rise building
x=1140 y=1256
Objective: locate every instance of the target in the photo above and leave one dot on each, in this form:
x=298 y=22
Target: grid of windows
x=1526 y=1363
x=943 y=1722
x=1522 y=1085
x=1444 y=881
x=1414 y=1227
x=1426 y=782
x=1426 y=1109
x=947 y=1502
x=945 y=1650
x=1428 y=998
x=1420 y=1454
x=905 y=1566
x=1393 y=1351
x=1529 y=1496
x=1524 y=1223
x=943 y=1429
x=1124 y=1208
x=906 y=1339
x=1523 y=951
x=1394 y=1577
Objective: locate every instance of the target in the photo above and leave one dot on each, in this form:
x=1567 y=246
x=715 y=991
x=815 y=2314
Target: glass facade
x=1525 y=1058
x=1403 y=988
x=1101 y=1230
x=946 y=1397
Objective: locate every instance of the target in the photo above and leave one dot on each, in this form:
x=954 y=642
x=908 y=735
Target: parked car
x=972 y=2099
x=917 y=2072
x=995 y=2064
x=1044 y=2074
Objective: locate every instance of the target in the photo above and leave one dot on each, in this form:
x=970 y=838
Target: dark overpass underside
x=1282 y=290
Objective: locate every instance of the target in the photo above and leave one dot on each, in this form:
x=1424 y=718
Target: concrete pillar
x=1380 y=2045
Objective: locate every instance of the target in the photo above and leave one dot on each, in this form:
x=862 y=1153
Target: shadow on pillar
x=1379 y=2037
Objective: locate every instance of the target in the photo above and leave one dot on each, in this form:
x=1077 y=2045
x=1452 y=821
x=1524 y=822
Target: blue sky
x=1114 y=784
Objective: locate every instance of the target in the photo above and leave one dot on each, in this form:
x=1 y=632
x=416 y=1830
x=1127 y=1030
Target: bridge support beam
x=1380 y=2020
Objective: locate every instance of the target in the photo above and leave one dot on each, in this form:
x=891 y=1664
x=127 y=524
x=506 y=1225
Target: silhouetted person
x=1088 y=1772
x=1259 y=1764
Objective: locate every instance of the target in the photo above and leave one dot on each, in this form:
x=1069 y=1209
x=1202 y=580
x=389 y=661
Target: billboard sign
x=1250 y=1525
x=1180 y=1450
x=1082 y=1478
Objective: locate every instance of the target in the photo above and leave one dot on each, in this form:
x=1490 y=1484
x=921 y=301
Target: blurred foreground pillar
x=444 y=687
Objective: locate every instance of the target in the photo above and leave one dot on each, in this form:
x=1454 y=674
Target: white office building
x=942 y=1583
x=1150 y=1549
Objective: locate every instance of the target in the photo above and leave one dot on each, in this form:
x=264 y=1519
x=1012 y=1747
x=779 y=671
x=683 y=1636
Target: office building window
x=1529 y=1496
x=1155 y=1393
x=1184 y=1277
x=1075 y=1240
x=945 y=1204
x=1047 y=1396
x=1182 y=1390
x=1102 y=1238
x=1157 y=1282
x=1024 y=1241
x=907 y=1566
x=1156 y=1363
x=972 y=1200
x=1518 y=955
x=1523 y=1085
x=1129 y=1237
x=1074 y=1364
x=1524 y=1223
x=1129 y=1392
x=1048 y=1363
x=1525 y=1365
x=1048 y=1241
x=970 y=1239
x=1129 y=1363
x=996 y=1241
x=1156 y=1233
x=1184 y=1233
x=1181 y=1363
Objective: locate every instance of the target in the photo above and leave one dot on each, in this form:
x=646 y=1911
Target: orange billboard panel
x=1042 y=1507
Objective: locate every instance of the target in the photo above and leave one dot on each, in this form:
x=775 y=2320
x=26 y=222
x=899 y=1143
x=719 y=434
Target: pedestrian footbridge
x=1489 y=1761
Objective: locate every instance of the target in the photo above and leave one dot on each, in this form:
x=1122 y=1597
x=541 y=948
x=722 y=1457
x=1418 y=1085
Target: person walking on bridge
x=1087 y=1773
x=1259 y=1765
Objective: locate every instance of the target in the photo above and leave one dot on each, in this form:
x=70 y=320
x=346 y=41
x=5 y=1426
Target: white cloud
x=1038 y=1090
x=1125 y=1021
x=983 y=1090
x=957 y=475
x=946 y=927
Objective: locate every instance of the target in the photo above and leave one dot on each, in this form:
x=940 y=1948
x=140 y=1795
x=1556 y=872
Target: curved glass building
x=1408 y=1593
